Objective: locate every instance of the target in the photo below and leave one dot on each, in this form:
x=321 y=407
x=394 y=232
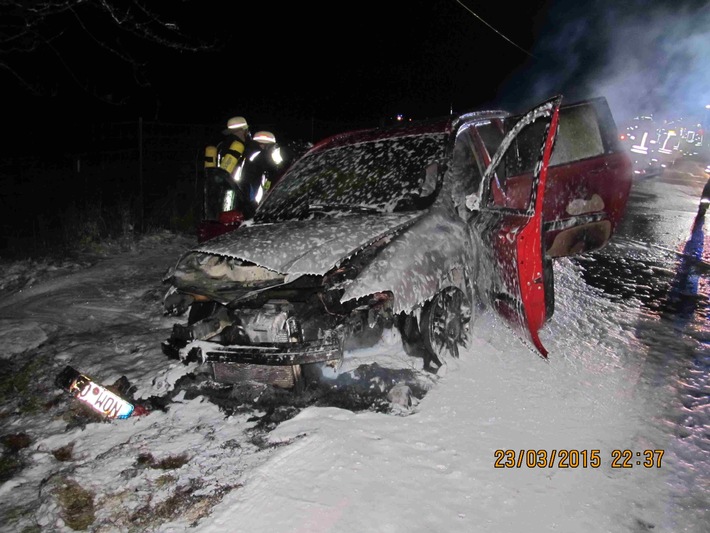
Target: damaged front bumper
x=279 y=364
x=269 y=354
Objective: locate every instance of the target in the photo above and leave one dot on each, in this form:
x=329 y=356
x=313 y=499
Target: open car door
x=509 y=203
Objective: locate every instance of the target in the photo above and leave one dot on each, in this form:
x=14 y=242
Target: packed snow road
x=659 y=270
x=628 y=370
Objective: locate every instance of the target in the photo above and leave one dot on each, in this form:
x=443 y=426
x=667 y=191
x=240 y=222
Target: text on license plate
x=101 y=399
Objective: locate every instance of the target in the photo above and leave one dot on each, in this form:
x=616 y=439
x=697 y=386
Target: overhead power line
x=492 y=28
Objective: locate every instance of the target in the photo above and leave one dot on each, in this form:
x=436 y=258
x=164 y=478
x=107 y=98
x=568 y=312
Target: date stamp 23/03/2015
x=575 y=458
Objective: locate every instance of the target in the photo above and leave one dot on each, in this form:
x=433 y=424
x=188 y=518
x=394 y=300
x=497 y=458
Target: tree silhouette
x=102 y=47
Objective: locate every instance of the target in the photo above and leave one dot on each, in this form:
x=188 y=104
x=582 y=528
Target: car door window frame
x=491 y=176
x=466 y=168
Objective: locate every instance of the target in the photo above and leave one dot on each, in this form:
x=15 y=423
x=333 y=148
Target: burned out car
x=417 y=227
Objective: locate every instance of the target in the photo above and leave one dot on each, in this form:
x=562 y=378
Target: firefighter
x=221 y=195
x=261 y=165
x=704 y=200
x=231 y=149
x=230 y=153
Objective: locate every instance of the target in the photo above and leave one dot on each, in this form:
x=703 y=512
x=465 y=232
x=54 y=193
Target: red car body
x=418 y=226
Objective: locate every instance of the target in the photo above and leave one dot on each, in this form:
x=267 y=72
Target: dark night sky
x=337 y=61
x=363 y=60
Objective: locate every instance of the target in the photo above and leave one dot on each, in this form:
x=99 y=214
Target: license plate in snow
x=100 y=399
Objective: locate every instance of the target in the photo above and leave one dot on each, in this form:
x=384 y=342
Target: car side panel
x=586 y=192
x=434 y=253
x=588 y=184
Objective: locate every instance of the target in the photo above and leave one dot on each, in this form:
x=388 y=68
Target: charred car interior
x=416 y=227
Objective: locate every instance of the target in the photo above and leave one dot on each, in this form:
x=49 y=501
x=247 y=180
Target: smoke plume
x=644 y=57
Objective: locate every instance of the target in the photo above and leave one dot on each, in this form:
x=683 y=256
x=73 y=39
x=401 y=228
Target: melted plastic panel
x=580 y=239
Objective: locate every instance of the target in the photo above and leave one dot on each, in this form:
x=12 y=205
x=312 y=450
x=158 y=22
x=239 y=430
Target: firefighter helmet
x=264 y=137
x=237 y=123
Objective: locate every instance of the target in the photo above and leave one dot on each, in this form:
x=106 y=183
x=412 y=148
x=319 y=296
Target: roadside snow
x=17 y=336
x=430 y=467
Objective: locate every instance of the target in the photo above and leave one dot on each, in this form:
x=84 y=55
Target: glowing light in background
x=641 y=148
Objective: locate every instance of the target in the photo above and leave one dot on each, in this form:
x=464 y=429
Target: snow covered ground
x=626 y=372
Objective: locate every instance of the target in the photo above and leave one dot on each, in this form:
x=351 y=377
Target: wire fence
x=114 y=178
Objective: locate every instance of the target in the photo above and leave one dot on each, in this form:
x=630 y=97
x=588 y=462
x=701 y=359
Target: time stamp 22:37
x=576 y=458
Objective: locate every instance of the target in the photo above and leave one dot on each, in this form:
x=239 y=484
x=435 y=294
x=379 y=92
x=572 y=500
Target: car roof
x=439 y=125
x=443 y=125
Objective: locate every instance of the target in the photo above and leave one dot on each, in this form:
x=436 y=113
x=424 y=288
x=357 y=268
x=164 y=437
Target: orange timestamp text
x=573 y=458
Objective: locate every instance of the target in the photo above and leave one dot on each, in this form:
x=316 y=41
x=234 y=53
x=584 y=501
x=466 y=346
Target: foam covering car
x=418 y=227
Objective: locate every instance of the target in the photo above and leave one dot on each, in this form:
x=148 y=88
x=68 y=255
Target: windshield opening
x=380 y=176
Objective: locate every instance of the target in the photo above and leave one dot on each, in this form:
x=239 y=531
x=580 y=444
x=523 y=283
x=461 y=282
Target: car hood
x=314 y=246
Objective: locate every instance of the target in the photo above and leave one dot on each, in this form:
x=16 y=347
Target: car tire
x=408 y=328
x=444 y=327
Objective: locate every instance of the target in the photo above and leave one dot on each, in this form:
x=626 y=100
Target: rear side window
x=578 y=137
x=586 y=130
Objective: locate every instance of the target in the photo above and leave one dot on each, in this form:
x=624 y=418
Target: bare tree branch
x=62 y=34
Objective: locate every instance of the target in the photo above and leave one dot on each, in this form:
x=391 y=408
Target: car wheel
x=408 y=327
x=444 y=326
